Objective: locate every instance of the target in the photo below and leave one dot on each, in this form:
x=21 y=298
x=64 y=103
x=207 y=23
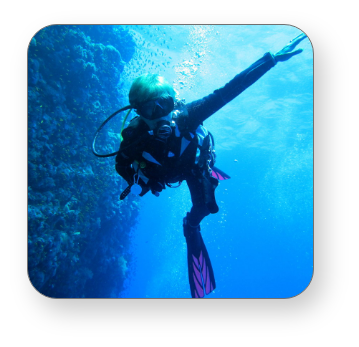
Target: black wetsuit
x=160 y=161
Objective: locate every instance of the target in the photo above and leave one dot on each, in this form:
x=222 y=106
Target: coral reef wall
x=78 y=230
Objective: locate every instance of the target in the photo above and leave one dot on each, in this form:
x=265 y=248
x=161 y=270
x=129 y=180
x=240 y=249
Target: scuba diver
x=167 y=144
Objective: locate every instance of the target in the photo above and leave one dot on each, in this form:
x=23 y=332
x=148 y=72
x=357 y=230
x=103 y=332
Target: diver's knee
x=190 y=229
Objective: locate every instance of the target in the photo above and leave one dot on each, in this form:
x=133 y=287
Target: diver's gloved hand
x=156 y=187
x=286 y=52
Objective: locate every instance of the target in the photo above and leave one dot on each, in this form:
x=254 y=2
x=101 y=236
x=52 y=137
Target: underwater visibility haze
x=84 y=242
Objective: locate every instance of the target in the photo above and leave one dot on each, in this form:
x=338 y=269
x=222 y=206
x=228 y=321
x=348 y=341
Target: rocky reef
x=78 y=230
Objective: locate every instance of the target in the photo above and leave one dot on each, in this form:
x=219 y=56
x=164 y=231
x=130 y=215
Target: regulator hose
x=129 y=107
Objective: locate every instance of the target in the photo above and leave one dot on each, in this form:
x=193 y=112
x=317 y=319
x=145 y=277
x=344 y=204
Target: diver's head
x=152 y=97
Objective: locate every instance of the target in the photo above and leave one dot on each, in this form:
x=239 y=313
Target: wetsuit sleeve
x=125 y=158
x=201 y=109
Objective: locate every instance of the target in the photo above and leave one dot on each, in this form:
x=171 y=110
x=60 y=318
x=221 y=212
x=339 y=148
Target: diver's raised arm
x=200 y=110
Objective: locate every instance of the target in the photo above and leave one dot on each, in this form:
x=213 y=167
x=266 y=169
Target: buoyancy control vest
x=168 y=154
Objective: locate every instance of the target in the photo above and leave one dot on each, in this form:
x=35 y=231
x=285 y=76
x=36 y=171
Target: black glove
x=286 y=52
x=156 y=186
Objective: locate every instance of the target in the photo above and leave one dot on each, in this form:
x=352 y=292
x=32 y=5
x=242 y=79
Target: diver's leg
x=202 y=194
x=200 y=271
x=199 y=208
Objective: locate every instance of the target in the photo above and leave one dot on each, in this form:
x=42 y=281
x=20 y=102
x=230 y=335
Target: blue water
x=84 y=242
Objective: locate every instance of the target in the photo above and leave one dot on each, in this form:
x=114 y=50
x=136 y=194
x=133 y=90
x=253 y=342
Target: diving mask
x=157 y=108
